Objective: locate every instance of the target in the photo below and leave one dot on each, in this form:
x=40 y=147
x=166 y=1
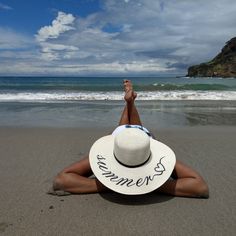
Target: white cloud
x=112 y=68
x=54 y=51
x=60 y=25
x=47 y=35
x=13 y=40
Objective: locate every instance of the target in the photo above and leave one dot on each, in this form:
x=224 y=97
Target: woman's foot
x=130 y=95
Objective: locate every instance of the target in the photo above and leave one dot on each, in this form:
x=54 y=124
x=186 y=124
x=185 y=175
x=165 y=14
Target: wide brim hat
x=131 y=162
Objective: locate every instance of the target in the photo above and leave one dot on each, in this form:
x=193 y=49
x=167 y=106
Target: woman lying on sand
x=128 y=175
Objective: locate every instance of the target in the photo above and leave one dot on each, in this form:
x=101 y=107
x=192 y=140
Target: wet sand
x=30 y=157
x=103 y=114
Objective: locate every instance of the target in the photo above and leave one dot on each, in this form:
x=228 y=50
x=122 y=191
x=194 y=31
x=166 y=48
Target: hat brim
x=131 y=180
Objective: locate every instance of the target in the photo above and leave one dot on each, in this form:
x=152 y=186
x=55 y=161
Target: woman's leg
x=130 y=112
x=124 y=119
x=134 y=118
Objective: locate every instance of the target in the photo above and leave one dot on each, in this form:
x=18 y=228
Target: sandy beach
x=30 y=157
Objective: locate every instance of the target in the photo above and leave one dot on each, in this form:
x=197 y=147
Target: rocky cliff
x=223 y=65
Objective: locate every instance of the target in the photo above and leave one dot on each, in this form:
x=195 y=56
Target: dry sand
x=30 y=157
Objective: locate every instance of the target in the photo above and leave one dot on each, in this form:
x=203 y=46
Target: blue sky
x=111 y=37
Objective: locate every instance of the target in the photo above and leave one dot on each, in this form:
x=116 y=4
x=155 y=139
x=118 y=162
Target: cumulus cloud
x=47 y=37
x=136 y=36
x=60 y=25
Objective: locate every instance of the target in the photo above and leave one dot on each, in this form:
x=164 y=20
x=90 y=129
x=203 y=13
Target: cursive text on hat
x=129 y=182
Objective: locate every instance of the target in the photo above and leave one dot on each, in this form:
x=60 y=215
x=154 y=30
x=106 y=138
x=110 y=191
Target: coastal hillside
x=223 y=65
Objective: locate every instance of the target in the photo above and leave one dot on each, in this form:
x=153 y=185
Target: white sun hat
x=131 y=162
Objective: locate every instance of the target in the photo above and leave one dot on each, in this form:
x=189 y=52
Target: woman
x=185 y=181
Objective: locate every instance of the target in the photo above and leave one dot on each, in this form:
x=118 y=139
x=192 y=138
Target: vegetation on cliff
x=223 y=65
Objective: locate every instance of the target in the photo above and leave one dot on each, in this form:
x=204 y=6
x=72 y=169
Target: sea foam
x=151 y=95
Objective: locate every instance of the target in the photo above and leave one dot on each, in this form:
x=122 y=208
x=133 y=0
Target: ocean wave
x=142 y=95
x=195 y=87
x=156 y=86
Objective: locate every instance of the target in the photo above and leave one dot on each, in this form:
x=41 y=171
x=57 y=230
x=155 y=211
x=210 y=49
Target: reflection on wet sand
x=189 y=113
x=154 y=114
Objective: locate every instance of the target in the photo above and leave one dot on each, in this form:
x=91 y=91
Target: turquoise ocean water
x=51 y=89
x=98 y=101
